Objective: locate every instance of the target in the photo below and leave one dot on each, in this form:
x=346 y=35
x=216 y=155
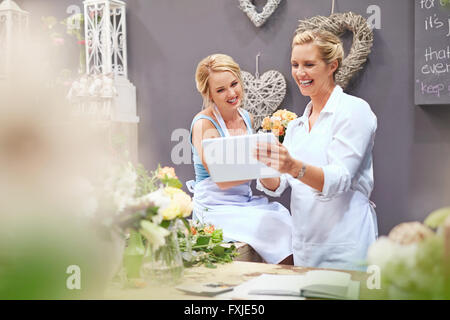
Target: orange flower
x=209 y=229
x=278 y=114
x=276 y=124
x=279 y=131
x=289 y=116
x=170 y=172
x=285 y=115
x=193 y=231
x=266 y=124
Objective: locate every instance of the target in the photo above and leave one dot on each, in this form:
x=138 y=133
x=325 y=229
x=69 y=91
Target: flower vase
x=164 y=264
x=111 y=251
x=133 y=255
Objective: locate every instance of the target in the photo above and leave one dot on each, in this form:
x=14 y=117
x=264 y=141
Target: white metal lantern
x=106 y=52
x=14 y=24
x=106 y=40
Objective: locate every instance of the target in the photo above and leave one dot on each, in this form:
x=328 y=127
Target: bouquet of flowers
x=148 y=202
x=136 y=204
x=205 y=246
x=278 y=123
x=412 y=259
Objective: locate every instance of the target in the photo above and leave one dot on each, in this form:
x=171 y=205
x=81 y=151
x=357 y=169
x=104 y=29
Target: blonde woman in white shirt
x=326 y=158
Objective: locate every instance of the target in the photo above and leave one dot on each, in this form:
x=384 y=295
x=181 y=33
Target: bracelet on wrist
x=302 y=172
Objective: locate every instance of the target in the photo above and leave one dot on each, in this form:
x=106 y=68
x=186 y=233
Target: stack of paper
x=314 y=284
x=326 y=285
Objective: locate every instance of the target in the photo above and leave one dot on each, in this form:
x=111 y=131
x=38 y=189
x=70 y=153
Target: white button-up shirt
x=335 y=227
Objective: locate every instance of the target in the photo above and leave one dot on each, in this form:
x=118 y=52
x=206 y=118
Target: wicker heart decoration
x=258 y=19
x=263 y=94
x=339 y=23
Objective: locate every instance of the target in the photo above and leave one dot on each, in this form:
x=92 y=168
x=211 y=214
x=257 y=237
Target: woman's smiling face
x=225 y=89
x=312 y=75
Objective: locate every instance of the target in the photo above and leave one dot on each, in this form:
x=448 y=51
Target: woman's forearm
x=313 y=177
x=271 y=184
x=230 y=184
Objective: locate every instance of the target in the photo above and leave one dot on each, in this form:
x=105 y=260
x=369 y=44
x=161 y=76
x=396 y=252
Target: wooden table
x=231 y=274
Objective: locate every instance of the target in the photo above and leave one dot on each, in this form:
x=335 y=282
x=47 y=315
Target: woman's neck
x=229 y=115
x=320 y=100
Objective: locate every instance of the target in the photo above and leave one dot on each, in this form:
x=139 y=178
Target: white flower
x=160 y=199
x=407 y=255
x=121 y=185
x=381 y=252
x=397 y=261
x=154 y=233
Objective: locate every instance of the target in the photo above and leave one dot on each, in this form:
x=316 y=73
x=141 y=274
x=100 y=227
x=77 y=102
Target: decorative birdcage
x=14 y=24
x=106 y=38
x=105 y=91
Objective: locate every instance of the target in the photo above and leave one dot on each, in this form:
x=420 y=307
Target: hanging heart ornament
x=258 y=19
x=339 y=23
x=263 y=94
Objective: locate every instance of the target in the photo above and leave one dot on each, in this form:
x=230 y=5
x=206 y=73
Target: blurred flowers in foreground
x=414 y=259
x=43 y=226
x=131 y=198
x=51 y=211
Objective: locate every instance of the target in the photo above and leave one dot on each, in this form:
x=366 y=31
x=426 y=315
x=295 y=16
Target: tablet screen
x=231 y=158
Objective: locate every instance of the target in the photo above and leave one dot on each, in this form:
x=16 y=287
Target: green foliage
x=419 y=274
x=171 y=182
x=75 y=26
x=217 y=236
x=437 y=218
x=445 y=3
x=146 y=182
x=205 y=247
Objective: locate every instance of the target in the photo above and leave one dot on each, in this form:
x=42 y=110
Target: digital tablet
x=231 y=158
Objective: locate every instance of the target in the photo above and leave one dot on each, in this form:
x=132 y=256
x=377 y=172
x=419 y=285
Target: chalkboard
x=432 y=52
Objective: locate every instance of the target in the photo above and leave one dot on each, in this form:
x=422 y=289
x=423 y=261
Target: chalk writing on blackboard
x=432 y=52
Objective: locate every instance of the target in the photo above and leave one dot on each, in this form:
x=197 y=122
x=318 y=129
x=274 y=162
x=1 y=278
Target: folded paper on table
x=290 y=284
x=326 y=285
x=205 y=289
x=314 y=284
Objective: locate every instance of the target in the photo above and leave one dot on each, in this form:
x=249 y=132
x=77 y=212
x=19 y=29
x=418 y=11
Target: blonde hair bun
x=329 y=45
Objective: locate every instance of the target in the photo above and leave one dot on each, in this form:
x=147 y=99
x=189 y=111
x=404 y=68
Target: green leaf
x=219 y=250
x=165 y=224
x=172 y=182
x=151 y=211
x=186 y=224
x=217 y=236
x=210 y=265
x=202 y=240
x=437 y=217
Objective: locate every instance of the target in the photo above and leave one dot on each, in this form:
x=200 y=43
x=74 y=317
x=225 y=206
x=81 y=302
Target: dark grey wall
x=167 y=38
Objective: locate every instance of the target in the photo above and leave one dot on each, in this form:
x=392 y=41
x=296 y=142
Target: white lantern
x=106 y=52
x=13 y=29
x=106 y=40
